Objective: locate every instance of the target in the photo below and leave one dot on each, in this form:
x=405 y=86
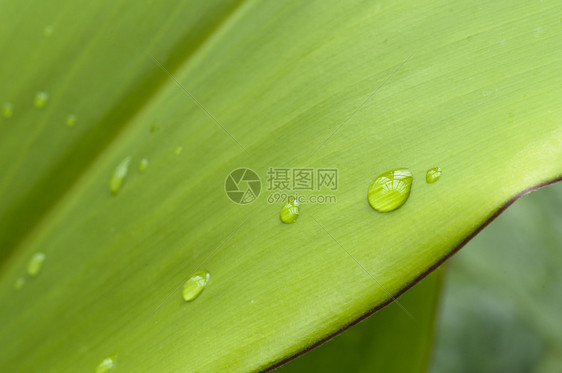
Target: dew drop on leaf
x=7 y=110
x=48 y=31
x=143 y=165
x=178 y=150
x=35 y=264
x=195 y=285
x=18 y=284
x=290 y=211
x=390 y=190
x=40 y=99
x=433 y=175
x=71 y=120
x=106 y=365
x=119 y=175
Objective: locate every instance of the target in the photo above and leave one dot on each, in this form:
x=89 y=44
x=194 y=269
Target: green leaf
x=389 y=341
x=200 y=89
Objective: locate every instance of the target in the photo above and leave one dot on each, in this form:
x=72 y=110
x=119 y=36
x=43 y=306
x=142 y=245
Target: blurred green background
x=499 y=309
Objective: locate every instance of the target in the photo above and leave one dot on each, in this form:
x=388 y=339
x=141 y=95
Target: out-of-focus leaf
x=503 y=299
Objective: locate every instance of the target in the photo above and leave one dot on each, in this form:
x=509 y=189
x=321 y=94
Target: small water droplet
x=143 y=165
x=19 y=283
x=7 y=110
x=35 y=264
x=178 y=150
x=390 y=190
x=195 y=285
x=71 y=120
x=433 y=175
x=40 y=99
x=290 y=211
x=106 y=365
x=119 y=175
x=48 y=31
x=153 y=128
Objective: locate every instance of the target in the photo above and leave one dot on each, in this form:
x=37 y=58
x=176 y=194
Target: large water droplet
x=48 y=31
x=143 y=165
x=390 y=190
x=119 y=175
x=290 y=211
x=19 y=283
x=35 y=264
x=40 y=99
x=106 y=365
x=71 y=120
x=7 y=110
x=433 y=175
x=195 y=285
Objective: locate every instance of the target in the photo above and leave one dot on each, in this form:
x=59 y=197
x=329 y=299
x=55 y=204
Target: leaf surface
x=202 y=88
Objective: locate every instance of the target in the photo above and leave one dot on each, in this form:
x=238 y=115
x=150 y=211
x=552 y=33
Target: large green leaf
x=364 y=87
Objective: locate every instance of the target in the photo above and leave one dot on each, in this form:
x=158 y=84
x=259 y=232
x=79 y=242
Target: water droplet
x=106 y=365
x=390 y=190
x=153 y=128
x=48 y=31
x=7 y=110
x=290 y=211
x=40 y=99
x=143 y=165
x=71 y=120
x=178 y=150
x=433 y=175
x=119 y=175
x=19 y=283
x=35 y=264
x=195 y=285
